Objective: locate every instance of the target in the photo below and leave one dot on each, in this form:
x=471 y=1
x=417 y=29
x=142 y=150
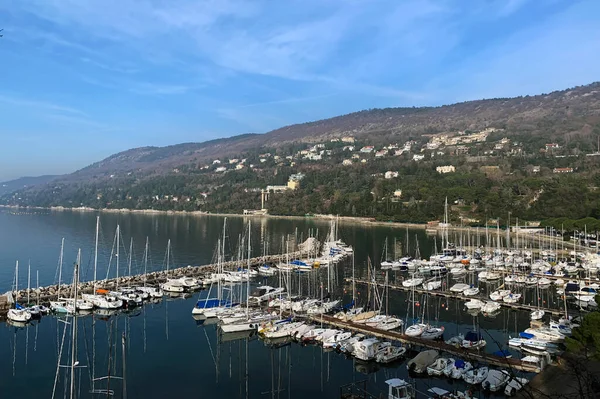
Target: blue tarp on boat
x=472 y=336
x=526 y=335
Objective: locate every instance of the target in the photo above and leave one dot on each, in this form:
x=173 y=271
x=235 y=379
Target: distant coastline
x=341 y=219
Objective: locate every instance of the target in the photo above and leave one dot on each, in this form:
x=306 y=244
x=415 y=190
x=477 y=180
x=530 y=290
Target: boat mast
x=123 y=341
x=74 y=361
x=96 y=252
x=16 y=282
x=248 y=274
x=145 y=261
x=118 y=241
x=168 y=255
x=28 y=280
x=130 y=254
x=60 y=263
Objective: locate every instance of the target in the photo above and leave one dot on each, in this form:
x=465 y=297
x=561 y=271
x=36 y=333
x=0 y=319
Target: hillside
x=11 y=186
x=562 y=115
x=533 y=156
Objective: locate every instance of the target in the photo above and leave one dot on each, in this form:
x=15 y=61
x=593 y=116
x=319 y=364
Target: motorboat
x=348 y=346
x=368 y=348
x=280 y=330
x=399 y=389
x=390 y=354
x=474 y=304
x=496 y=380
x=514 y=385
x=433 y=333
x=437 y=368
x=419 y=363
x=476 y=376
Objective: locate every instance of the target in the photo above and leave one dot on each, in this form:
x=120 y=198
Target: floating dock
x=474 y=356
x=455 y=295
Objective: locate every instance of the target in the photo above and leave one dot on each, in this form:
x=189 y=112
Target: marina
x=249 y=305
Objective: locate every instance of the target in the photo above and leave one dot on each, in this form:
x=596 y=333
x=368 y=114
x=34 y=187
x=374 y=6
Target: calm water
x=167 y=353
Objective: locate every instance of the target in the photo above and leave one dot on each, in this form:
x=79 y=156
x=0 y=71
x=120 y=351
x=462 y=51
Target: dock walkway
x=416 y=342
x=454 y=295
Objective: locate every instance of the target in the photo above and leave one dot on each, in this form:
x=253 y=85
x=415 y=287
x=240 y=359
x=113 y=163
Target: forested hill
x=535 y=156
x=562 y=115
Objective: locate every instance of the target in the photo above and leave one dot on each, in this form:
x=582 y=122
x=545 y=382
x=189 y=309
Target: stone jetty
x=50 y=293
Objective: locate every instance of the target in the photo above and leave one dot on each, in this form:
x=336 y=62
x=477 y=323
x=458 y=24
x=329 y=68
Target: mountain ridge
x=561 y=114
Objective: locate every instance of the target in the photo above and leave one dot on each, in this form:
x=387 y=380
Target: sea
x=160 y=351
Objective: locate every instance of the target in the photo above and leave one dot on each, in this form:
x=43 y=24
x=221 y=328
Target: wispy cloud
x=48 y=106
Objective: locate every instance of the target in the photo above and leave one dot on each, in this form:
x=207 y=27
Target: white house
x=390 y=175
x=418 y=157
x=445 y=169
x=221 y=169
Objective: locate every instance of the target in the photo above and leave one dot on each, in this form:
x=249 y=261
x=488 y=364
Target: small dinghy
x=438 y=367
x=476 y=376
x=496 y=380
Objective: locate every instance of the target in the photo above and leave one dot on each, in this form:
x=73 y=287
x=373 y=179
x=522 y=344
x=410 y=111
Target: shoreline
x=321 y=217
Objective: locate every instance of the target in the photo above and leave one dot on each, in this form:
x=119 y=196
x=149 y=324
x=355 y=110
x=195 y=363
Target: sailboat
x=538 y=313
x=18 y=314
x=99 y=298
x=248 y=323
x=209 y=307
x=154 y=292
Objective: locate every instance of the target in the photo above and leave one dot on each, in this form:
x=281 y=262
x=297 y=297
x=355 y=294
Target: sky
x=81 y=80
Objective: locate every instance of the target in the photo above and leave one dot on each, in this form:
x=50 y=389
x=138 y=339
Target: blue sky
x=80 y=80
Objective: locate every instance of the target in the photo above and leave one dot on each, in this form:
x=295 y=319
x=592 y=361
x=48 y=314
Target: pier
x=416 y=342
x=45 y=294
x=455 y=295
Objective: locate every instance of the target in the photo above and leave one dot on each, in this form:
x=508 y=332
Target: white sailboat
x=18 y=314
x=99 y=299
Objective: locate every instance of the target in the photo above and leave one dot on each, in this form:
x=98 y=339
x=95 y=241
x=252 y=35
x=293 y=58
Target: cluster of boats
x=431 y=363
